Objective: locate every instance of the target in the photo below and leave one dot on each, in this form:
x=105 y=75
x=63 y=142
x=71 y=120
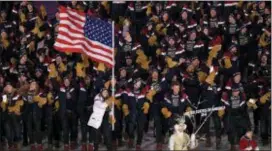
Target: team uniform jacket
x=33 y=103
x=176 y=104
x=235 y=106
x=67 y=98
x=135 y=102
x=13 y=104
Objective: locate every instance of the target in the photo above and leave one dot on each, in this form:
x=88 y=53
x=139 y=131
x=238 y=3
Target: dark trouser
x=265 y=126
x=105 y=129
x=141 y=120
x=69 y=127
x=25 y=135
x=130 y=125
x=54 y=128
x=84 y=117
x=34 y=128
x=1 y=128
x=118 y=127
x=237 y=127
x=12 y=128
x=217 y=125
x=256 y=117
x=156 y=113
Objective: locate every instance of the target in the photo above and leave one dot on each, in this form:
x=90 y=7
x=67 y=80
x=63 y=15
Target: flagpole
x=112 y=73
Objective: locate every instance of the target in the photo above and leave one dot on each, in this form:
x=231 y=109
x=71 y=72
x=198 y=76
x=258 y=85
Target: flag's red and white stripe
x=71 y=38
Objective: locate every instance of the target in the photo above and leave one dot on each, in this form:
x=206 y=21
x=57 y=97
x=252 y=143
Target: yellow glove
x=149 y=9
x=165 y=112
x=17 y=110
x=110 y=100
x=22 y=17
x=201 y=76
x=227 y=63
x=117 y=102
x=57 y=105
x=101 y=67
x=252 y=105
x=221 y=113
x=158 y=51
x=11 y=109
x=210 y=78
x=170 y=62
x=159 y=27
x=125 y=109
x=85 y=60
x=146 y=107
x=62 y=68
x=150 y=95
x=3 y=106
x=19 y=103
x=80 y=70
x=164 y=31
x=265 y=97
x=152 y=40
x=42 y=102
x=112 y=119
x=50 y=98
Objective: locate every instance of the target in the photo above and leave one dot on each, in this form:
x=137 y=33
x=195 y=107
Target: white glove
x=257 y=148
x=248 y=148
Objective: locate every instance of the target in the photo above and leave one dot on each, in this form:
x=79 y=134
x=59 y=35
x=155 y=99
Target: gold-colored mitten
x=221 y=113
x=62 y=68
x=3 y=106
x=201 y=76
x=5 y=43
x=158 y=51
x=22 y=17
x=19 y=103
x=150 y=95
x=57 y=105
x=118 y=103
x=164 y=31
x=50 y=98
x=265 y=97
x=145 y=107
x=170 y=62
x=252 y=105
x=43 y=11
x=210 y=78
x=80 y=70
x=125 y=109
x=149 y=9
x=152 y=41
x=159 y=27
x=40 y=100
x=165 y=112
x=85 y=60
x=101 y=67
x=227 y=63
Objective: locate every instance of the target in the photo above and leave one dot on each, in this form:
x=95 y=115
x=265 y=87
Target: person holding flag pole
x=103 y=110
x=80 y=33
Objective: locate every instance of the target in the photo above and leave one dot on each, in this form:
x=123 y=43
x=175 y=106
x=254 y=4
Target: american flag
x=80 y=33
